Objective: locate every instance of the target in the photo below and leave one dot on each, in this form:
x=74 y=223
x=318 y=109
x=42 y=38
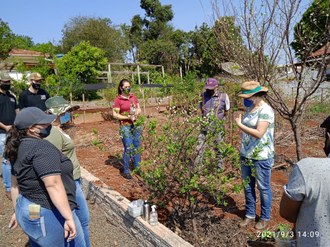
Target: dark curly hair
x=13 y=141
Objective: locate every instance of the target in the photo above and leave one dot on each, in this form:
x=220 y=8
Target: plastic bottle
x=146 y=211
x=153 y=216
x=132 y=109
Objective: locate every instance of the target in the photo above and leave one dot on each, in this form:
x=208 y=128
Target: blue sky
x=43 y=20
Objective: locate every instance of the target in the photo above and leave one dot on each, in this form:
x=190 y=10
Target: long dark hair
x=13 y=141
x=120 y=86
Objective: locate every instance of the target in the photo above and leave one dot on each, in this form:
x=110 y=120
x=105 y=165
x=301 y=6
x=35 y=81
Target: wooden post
x=83 y=98
x=109 y=73
x=138 y=70
x=181 y=73
x=70 y=98
x=321 y=96
x=163 y=71
x=144 y=101
x=148 y=78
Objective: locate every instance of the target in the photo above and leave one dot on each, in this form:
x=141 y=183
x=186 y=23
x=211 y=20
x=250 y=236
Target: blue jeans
x=82 y=212
x=47 y=231
x=131 y=137
x=257 y=171
x=6 y=167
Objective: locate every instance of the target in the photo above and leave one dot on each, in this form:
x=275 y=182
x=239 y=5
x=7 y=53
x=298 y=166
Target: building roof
x=23 y=53
x=27 y=57
x=323 y=50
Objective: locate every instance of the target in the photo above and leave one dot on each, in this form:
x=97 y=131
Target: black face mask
x=45 y=132
x=209 y=92
x=5 y=87
x=35 y=86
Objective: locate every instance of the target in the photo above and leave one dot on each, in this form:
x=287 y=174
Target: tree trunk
x=297 y=138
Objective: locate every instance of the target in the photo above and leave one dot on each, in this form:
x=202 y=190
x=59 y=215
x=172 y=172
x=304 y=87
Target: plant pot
x=285 y=242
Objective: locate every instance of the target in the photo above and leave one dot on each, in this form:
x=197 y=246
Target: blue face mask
x=65 y=118
x=247 y=103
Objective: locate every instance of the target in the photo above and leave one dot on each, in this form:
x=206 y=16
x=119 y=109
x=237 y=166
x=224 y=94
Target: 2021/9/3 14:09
x=288 y=234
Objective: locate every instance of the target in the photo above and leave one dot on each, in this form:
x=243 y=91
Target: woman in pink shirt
x=126 y=108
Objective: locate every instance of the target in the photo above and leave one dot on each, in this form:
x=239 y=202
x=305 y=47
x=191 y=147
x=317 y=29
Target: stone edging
x=116 y=206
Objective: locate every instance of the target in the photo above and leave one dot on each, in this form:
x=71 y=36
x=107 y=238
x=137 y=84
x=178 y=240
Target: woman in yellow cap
x=257 y=151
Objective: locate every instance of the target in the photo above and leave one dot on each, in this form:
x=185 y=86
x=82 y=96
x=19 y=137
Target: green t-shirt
x=65 y=144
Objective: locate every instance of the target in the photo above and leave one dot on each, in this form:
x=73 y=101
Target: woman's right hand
x=70 y=229
x=132 y=118
x=13 y=222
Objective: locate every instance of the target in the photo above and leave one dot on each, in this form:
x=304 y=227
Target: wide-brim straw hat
x=250 y=88
x=57 y=105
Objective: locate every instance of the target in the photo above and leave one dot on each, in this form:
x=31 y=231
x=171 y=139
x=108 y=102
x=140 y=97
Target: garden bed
x=99 y=149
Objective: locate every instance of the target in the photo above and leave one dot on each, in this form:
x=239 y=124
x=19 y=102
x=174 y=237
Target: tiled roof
x=323 y=50
x=21 y=52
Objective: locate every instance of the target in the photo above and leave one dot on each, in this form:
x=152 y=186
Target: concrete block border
x=116 y=209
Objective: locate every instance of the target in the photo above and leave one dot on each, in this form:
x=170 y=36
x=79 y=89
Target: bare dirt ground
x=104 y=161
x=107 y=235
x=99 y=149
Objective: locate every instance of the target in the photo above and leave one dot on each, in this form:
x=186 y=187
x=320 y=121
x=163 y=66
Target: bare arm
x=14 y=191
x=5 y=127
x=56 y=191
x=116 y=114
x=289 y=208
x=258 y=132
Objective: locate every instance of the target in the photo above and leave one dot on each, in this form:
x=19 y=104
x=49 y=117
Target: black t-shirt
x=27 y=99
x=8 y=105
x=326 y=125
x=37 y=158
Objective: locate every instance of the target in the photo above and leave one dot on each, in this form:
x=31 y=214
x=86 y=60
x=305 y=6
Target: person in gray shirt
x=305 y=201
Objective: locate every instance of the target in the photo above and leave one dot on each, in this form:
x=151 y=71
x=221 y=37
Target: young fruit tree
x=270 y=32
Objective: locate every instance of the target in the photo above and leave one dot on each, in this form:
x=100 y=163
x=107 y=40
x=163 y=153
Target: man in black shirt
x=8 y=109
x=34 y=95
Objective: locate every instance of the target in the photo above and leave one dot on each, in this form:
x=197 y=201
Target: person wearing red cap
x=214 y=103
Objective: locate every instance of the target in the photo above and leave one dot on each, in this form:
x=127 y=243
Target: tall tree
x=135 y=36
x=22 y=42
x=312 y=31
x=153 y=39
x=47 y=48
x=156 y=19
x=99 y=32
x=267 y=34
x=6 y=37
